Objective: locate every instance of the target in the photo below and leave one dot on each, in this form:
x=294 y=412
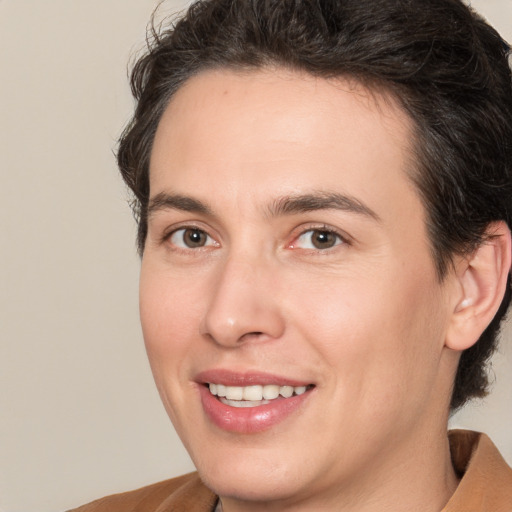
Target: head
x=441 y=62
x=433 y=68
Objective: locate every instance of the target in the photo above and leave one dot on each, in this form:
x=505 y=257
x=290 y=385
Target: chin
x=243 y=478
x=250 y=487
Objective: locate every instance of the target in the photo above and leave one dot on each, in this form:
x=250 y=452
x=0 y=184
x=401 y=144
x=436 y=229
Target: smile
x=251 y=402
x=253 y=396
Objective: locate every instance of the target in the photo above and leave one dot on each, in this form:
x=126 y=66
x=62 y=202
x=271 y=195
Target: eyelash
x=167 y=238
x=340 y=239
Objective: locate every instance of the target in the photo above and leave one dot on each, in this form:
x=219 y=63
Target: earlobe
x=482 y=278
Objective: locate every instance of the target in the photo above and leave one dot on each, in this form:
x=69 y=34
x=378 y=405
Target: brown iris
x=323 y=239
x=194 y=238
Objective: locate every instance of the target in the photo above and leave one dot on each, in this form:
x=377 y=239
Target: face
x=289 y=302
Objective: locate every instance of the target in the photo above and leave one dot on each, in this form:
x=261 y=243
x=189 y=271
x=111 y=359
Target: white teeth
x=234 y=393
x=244 y=403
x=254 y=393
x=300 y=390
x=286 y=391
x=252 y=396
x=270 y=392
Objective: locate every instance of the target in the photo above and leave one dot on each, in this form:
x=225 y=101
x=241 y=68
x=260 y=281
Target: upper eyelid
x=322 y=230
x=341 y=240
x=169 y=230
x=165 y=240
x=301 y=230
x=185 y=228
x=294 y=233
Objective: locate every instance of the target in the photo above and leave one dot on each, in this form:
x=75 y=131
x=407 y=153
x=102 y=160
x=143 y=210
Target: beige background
x=79 y=417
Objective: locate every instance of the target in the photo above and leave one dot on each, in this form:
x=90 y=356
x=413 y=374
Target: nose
x=243 y=304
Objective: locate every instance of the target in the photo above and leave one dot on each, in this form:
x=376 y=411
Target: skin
x=365 y=321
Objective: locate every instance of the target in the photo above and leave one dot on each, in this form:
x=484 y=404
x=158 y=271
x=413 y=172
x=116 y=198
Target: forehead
x=278 y=132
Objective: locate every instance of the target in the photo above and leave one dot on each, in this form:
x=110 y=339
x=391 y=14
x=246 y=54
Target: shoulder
x=486 y=479
x=185 y=493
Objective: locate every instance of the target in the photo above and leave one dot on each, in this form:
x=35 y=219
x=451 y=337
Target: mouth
x=254 y=395
x=251 y=402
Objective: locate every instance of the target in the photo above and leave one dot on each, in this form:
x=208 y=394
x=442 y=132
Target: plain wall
x=79 y=415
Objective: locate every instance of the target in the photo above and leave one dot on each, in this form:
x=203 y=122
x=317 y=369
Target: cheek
x=169 y=318
x=380 y=336
x=169 y=311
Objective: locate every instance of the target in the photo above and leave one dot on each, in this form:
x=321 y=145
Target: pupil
x=194 y=238
x=323 y=239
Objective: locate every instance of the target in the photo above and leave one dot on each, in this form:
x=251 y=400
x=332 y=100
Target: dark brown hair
x=443 y=63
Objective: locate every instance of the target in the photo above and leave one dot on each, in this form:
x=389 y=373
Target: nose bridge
x=241 y=305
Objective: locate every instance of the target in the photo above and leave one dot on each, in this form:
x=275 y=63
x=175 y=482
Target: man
x=323 y=191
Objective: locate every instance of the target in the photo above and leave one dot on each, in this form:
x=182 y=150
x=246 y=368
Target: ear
x=481 y=279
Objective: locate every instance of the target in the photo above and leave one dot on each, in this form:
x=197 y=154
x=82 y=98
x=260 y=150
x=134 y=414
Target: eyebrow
x=164 y=201
x=302 y=203
x=286 y=205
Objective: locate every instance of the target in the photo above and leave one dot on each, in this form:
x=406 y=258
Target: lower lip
x=249 y=420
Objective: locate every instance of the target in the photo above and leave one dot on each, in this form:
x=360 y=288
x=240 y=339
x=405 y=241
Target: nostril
x=252 y=334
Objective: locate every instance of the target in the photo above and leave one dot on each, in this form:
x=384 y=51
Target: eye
x=317 y=239
x=191 y=238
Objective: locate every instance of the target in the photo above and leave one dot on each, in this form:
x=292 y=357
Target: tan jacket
x=486 y=485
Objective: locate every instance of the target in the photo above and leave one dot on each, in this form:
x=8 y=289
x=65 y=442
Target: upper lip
x=246 y=378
